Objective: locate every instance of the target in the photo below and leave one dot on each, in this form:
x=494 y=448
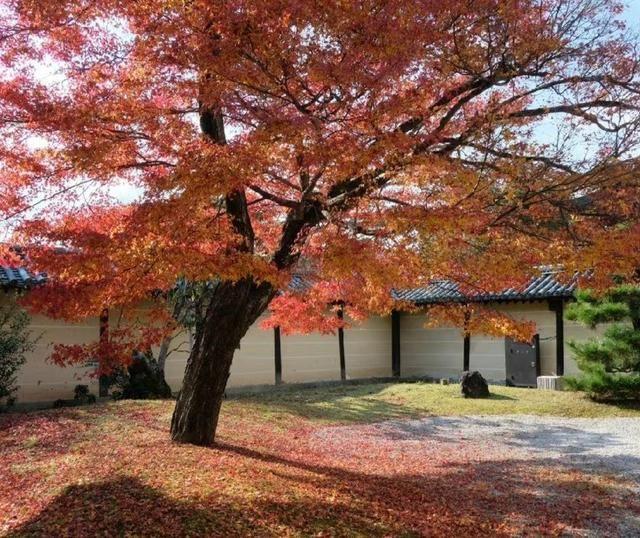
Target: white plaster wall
x=39 y=380
x=368 y=348
x=436 y=352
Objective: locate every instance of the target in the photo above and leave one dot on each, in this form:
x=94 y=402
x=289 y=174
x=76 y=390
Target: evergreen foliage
x=15 y=341
x=141 y=380
x=610 y=364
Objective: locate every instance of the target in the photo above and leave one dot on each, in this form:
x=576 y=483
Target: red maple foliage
x=384 y=141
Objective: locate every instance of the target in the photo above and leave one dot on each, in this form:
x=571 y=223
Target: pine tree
x=610 y=364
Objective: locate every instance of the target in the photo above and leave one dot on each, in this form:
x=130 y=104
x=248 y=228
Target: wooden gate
x=522 y=362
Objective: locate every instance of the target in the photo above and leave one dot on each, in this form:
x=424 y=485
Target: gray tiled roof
x=18 y=277
x=299 y=283
x=544 y=286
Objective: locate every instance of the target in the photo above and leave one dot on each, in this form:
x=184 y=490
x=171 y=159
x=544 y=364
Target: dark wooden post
x=395 y=343
x=103 y=381
x=343 y=365
x=467 y=349
x=277 y=347
x=466 y=352
x=557 y=306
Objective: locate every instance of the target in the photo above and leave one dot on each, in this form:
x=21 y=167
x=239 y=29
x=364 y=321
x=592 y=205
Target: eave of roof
x=19 y=278
x=541 y=287
x=544 y=286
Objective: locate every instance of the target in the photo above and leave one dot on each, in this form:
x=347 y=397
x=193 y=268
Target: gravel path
x=604 y=444
x=518 y=445
x=613 y=443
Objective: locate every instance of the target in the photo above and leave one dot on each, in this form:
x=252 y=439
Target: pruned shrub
x=81 y=396
x=141 y=380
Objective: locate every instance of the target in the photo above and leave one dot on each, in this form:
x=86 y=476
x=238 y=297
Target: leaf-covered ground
x=300 y=463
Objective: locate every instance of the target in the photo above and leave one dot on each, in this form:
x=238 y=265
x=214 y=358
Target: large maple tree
x=368 y=144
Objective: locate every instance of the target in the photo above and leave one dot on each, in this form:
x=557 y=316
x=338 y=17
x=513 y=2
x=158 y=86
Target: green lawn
x=381 y=401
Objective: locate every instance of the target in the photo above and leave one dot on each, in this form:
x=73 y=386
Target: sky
x=632 y=14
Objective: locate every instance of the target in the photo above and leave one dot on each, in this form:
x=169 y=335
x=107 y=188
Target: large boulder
x=473 y=385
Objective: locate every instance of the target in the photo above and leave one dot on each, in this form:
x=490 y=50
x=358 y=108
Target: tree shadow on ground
x=383 y=401
x=630 y=405
x=471 y=500
x=494 y=396
x=283 y=485
x=127 y=507
x=358 y=402
x=536 y=496
x=345 y=403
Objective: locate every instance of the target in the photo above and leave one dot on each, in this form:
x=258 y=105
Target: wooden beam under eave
x=103 y=381
x=466 y=349
x=557 y=306
x=277 y=355
x=343 y=364
x=466 y=352
x=395 y=343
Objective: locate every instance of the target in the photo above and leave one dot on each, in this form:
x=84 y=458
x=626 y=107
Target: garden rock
x=473 y=385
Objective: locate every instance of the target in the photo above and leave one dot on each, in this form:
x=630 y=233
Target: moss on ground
x=383 y=401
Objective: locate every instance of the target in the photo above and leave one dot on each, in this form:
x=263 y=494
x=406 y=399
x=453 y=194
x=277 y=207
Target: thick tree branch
x=274 y=197
x=212 y=125
x=542 y=159
x=300 y=220
x=569 y=108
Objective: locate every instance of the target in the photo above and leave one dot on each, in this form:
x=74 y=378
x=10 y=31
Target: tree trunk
x=230 y=310
x=163 y=353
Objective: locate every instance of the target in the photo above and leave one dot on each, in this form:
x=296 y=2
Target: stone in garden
x=473 y=385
